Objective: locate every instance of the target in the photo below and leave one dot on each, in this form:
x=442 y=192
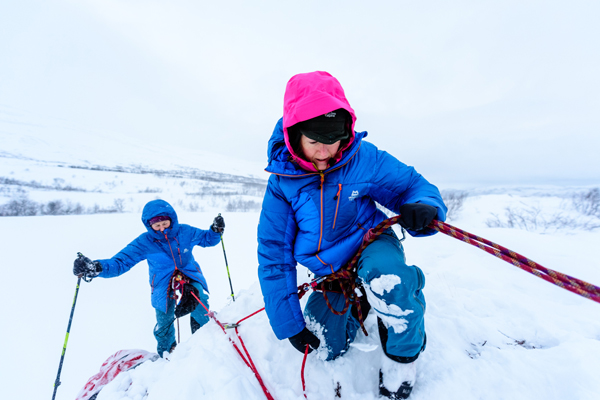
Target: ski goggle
x=327 y=128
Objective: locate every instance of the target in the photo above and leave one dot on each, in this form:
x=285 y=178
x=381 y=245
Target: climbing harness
x=175 y=287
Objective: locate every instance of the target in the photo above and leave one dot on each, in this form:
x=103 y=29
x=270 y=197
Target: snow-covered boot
x=397 y=374
x=396 y=380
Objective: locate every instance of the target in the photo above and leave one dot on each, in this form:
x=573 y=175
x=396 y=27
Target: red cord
x=302 y=372
x=248 y=361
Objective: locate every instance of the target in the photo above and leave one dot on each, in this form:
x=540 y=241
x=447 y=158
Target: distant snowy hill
x=49 y=160
x=48 y=139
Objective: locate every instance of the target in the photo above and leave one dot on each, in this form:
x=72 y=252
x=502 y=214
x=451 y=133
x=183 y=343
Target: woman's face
x=317 y=152
x=161 y=226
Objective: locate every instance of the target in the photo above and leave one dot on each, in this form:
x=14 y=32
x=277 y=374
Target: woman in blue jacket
x=320 y=200
x=168 y=248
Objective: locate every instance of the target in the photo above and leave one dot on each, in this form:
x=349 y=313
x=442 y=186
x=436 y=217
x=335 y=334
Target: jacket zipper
x=321 y=228
x=175 y=263
x=179 y=252
x=171 y=249
x=337 y=197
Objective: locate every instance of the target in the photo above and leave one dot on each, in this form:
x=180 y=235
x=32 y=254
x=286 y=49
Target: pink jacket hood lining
x=310 y=95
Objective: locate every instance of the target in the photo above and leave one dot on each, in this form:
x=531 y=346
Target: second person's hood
x=155 y=208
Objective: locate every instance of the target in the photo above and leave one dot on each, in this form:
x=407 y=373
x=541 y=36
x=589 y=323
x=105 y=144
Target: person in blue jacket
x=320 y=201
x=167 y=245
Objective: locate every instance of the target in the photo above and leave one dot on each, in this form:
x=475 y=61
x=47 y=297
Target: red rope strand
x=564 y=281
x=247 y=360
x=302 y=371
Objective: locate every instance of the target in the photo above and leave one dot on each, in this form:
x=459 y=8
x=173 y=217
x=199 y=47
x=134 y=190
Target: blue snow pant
x=385 y=256
x=164 y=331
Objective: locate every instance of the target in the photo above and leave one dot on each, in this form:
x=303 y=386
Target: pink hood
x=310 y=95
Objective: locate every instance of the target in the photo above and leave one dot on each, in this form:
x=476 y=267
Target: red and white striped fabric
x=122 y=360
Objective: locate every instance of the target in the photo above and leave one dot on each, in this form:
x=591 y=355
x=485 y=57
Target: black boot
x=194 y=324
x=402 y=393
x=365 y=307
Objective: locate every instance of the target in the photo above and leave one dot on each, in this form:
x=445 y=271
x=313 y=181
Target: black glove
x=218 y=224
x=300 y=340
x=83 y=266
x=188 y=303
x=416 y=216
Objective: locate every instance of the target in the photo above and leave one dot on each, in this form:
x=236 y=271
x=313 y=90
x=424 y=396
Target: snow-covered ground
x=494 y=331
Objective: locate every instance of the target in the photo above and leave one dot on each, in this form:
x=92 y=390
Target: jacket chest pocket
x=340 y=211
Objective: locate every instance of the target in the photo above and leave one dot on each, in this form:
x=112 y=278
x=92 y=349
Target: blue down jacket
x=318 y=219
x=165 y=252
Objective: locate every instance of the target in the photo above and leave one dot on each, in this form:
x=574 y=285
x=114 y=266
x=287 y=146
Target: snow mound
x=491 y=347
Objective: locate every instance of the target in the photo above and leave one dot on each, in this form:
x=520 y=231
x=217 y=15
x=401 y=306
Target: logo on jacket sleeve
x=354 y=195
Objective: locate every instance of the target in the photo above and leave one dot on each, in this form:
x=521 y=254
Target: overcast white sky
x=470 y=92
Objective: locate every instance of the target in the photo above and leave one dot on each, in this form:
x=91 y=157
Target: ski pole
x=62 y=357
x=227 y=266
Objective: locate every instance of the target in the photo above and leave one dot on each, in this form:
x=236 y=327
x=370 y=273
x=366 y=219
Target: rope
x=247 y=360
x=302 y=371
x=564 y=281
x=347 y=274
